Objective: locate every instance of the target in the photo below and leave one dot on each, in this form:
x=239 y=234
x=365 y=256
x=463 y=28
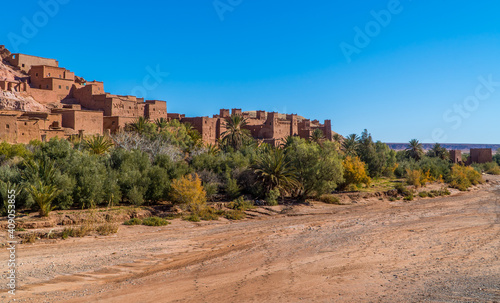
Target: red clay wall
x=28 y=61
x=8 y=128
x=89 y=121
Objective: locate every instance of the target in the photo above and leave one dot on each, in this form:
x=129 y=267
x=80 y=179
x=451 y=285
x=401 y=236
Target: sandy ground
x=430 y=250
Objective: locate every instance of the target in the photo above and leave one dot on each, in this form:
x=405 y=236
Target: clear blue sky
x=286 y=56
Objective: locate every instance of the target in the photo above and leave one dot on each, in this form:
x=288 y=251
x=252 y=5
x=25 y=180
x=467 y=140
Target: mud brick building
x=268 y=127
x=480 y=155
x=70 y=105
x=456 y=156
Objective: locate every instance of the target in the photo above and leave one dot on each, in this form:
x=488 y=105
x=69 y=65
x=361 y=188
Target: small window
x=60 y=76
x=49 y=74
x=67 y=87
x=7 y=126
x=36 y=75
x=25 y=123
x=113 y=123
x=40 y=86
x=23 y=65
x=22 y=134
x=59 y=86
x=47 y=86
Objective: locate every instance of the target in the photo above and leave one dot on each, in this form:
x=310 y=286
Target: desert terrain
x=442 y=249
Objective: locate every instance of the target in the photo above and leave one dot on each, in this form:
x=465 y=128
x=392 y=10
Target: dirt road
x=429 y=250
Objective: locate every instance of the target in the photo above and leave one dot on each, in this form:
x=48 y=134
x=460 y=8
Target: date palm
x=43 y=195
x=161 y=123
x=350 y=145
x=235 y=134
x=415 y=149
x=39 y=176
x=437 y=151
x=98 y=145
x=140 y=125
x=274 y=171
x=317 y=136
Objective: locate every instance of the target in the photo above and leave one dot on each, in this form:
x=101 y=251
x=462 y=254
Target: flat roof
x=33 y=56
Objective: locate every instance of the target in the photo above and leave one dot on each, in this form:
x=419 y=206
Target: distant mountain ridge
x=450 y=146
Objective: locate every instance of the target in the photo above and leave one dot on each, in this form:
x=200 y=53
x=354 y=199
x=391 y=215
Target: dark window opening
x=67 y=87
x=59 y=86
x=7 y=126
x=23 y=65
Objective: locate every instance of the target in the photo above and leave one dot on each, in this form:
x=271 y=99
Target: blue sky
x=417 y=76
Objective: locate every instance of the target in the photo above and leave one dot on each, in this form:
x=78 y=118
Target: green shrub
x=329 y=199
x=209 y=214
x=233 y=190
x=392 y=199
x=133 y=221
x=234 y=215
x=272 y=197
x=491 y=168
x=409 y=197
x=192 y=218
x=403 y=190
x=155 y=221
x=241 y=204
x=423 y=194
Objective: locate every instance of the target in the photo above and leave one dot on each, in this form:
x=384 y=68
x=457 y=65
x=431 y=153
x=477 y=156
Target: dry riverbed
x=442 y=249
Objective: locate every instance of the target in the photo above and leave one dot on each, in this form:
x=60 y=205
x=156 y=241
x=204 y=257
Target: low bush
x=409 y=197
x=272 y=197
x=329 y=199
x=463 y=177
x=209 y=214
x=414 y=177
x=189 y=192
x=155 y=221
x=192 y=218
x=241 y=204
x=403 y=190
x=107 y=229
x=423 y=194
x=234 y=215
x=491 y=168
x=133 y=221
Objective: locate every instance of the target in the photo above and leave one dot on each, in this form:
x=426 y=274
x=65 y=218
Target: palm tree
x=212 y=149
x=274 y=171
x=317 y=136
x=140 y=125
x=337 y=138
x=43 y=195
x=40 y=170
x=415 y=149
x=235 y=135
x=437 y=151
x=350 y=145
x=161 y=123
x=288 y=141
x=98 y=145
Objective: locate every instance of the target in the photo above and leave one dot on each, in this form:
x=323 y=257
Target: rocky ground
x=428 y=250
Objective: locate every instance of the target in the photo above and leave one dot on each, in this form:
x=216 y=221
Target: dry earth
x=429 y=250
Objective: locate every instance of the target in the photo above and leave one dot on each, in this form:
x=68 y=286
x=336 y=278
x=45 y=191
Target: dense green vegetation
x=160 y=161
